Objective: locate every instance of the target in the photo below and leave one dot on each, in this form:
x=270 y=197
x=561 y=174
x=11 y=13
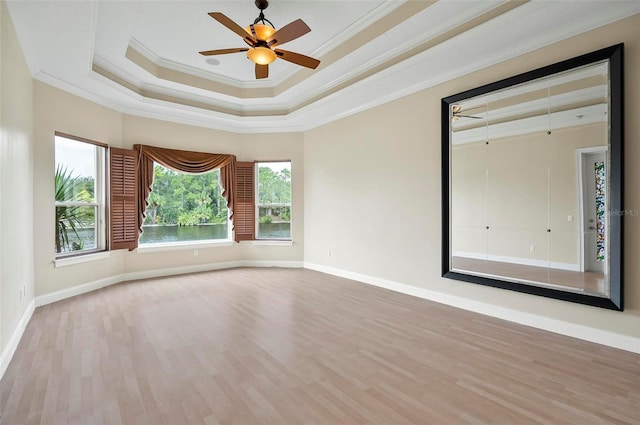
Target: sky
x=77 y=156
x=277 y=166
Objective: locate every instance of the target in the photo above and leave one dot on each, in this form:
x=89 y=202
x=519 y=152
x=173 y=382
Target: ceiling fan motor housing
x=262 y=4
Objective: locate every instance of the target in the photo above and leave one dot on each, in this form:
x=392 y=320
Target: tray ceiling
x=141 y=57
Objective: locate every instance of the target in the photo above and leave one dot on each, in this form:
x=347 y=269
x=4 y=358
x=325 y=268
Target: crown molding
x=492 y=42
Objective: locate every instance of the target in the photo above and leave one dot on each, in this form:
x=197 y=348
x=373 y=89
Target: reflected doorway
x=593 y=195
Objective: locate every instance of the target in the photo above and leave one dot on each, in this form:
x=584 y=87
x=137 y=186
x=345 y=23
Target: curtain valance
x=186 y=162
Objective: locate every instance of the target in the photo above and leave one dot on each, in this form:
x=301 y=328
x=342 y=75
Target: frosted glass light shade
x=262 y=31
x=261 y=55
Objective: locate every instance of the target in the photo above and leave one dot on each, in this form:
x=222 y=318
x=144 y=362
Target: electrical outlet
x=329 y=253
x=196 y=252
x=569 y=218
x=532 y=248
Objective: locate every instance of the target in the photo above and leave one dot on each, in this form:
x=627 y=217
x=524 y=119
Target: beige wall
x=57 y=110
x=532 y=185
x=16 y=182
x=372 y=189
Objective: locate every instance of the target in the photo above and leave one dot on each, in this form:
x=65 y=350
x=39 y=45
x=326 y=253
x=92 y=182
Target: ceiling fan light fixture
x=263 y=32
x=261 y=55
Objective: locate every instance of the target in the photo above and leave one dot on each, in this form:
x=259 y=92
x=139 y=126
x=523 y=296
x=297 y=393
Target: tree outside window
x=274 y=200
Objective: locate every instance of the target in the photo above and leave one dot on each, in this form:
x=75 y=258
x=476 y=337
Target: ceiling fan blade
x=262 y=71
x=233 y=27
x=289 y=32
x=223 y=51
x=298 y=59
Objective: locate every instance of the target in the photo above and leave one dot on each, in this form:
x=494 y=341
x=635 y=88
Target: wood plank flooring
x=294 y=346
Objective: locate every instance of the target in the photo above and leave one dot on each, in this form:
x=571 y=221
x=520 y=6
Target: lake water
x=160 y=234
x=164 y=234
x=274 y=230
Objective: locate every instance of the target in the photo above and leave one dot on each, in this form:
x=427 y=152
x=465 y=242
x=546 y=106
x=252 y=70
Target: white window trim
x=68 y=258
x=185 y=245
x=80 y=258
x=272 y=242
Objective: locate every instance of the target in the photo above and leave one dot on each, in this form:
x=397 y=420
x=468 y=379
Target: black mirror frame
x=614 y=54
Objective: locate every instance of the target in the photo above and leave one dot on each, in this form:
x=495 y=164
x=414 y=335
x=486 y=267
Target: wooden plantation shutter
x=123 y=199
x=244 y=213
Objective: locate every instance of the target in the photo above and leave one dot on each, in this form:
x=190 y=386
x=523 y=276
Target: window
x=185 y=207
x=273 y=200
x=79 y=196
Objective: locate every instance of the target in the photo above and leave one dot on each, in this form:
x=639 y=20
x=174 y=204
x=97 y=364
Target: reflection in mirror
x=529 y=201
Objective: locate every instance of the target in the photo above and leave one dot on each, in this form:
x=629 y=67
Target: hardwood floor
x=293 y=346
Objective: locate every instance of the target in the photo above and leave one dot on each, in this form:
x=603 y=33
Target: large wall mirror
x=532 y=181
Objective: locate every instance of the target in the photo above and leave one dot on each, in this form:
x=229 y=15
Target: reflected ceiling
x=577 y=97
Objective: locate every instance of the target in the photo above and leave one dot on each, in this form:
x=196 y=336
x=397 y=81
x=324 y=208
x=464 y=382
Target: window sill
x=177 y=246
x=63 y=262
x=272 y=242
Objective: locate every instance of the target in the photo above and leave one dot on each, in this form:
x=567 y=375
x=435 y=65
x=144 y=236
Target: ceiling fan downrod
x=262 y=5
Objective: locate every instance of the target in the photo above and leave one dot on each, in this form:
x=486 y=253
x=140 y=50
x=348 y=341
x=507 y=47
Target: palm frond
x=68 y=218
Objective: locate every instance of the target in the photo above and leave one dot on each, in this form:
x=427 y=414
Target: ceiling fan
x=455 y=114
x=262 y=39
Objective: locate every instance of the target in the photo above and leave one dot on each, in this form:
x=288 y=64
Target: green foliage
x=267 y=219
x=69 y=218
x=274 y=186
x=185 y=199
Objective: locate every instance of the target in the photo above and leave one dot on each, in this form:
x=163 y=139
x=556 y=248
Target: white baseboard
x=611 y=339
x=12 y=345
x=518 y=260
x=76 y=290
x=146 y=274
x=283 y=264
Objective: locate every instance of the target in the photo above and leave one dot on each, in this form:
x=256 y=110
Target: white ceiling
x=178 y=30
x=141 y=57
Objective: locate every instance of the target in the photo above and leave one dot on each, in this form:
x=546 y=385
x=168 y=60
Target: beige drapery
x=184 y=161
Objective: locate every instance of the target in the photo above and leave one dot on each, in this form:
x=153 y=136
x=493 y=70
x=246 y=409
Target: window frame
x=145 y=247
x=256 y=173
x=100 y=195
